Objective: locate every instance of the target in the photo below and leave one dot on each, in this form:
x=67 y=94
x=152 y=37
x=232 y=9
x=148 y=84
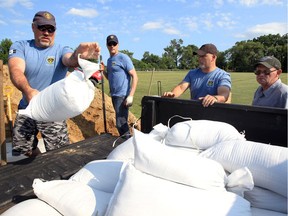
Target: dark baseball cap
x=44 y=18
x=112 y=38
x=206 y=48
x=269 y=62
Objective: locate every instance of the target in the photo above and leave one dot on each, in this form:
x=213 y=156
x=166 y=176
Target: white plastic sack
x=31 y=207
x=72 y=198
x=266 y=199
x=267 y=163
x=201 y=134
x=66 y=98
x=125 y=151
x=99 y=174
x=141 y=194
x=177 y=165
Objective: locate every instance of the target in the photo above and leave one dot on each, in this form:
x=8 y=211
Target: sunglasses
x=50 y=29
x=112 y=44
x=265 y=72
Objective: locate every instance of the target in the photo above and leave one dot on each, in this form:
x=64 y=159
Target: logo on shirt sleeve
x=12 y=51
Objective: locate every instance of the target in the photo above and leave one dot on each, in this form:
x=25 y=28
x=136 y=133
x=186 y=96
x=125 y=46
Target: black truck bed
x=16 y=178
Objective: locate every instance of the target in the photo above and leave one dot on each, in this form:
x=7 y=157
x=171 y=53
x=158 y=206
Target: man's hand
x=208 y=100
x=168 y=94
x=102 y=66
x=129 y=101
x=88 y=50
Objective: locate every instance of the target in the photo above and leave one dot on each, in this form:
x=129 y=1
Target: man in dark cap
x=207 y=82
x=34 y=65
x=271 y=92
x=123 y=80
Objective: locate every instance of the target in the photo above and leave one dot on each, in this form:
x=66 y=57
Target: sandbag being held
x=66 y=98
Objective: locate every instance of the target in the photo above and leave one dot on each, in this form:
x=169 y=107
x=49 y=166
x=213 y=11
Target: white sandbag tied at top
x=66 y=98
x=267 y=163
x=89 y=68
x=201 y=134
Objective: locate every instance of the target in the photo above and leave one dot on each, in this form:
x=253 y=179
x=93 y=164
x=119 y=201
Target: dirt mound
x=88 y=124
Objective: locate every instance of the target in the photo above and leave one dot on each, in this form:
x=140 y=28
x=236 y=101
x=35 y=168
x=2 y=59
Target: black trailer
x=260 y=124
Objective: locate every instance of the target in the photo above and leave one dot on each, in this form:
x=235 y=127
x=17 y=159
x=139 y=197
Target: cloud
x=263 y=29
x=171 y=31
x=268 y=28
x=11 y=3
x=91 y=13
x=152 y=25
x=250 y=3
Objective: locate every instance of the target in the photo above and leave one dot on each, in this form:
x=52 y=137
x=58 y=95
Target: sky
x=148 y=25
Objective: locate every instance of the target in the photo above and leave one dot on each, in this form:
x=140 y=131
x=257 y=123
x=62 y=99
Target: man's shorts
x=54 y=134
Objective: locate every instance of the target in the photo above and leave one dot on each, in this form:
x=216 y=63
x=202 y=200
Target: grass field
x=243 y=86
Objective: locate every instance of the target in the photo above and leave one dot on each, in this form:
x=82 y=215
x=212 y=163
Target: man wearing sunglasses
x=271 y=92
x=120 y=71
x=34 y=65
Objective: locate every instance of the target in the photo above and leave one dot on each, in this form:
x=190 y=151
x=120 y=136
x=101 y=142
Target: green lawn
x=243 y=86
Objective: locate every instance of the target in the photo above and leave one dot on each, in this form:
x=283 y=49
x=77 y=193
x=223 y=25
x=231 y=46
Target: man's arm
x=129 y=99
x=134 y=83
x=16 y=68
x=178 y=90
x=223 y=93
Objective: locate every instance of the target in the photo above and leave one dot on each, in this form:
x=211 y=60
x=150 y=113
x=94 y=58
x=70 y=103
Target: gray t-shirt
x=275 y=96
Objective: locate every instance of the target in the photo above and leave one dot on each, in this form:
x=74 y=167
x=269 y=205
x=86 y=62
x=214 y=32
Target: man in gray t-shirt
x=272 y=92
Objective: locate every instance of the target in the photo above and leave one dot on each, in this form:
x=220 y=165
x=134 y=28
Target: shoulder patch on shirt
x=12 y=51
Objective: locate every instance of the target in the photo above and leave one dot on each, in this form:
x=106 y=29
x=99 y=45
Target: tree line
x=239 y=58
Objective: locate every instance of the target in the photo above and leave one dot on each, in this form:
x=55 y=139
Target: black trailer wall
x=267 y=125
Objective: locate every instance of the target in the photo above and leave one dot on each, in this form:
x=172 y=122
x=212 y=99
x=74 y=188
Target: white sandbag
x=201 y=134
x=266 y=199
x=125 y=151
x=239 y=181
x=64 y=99
x=141 y=194
x=177 y=165
x=99 y=174
x=267 y=163
x=31 y=207
x=72 y=198
x=264 y=212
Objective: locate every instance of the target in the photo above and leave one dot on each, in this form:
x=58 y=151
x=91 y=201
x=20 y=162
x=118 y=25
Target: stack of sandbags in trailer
x=172 y=181
x=192 y=135
x=66 y=98
x=268 y=165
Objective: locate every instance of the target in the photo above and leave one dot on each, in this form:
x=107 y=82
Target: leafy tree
x=188 y=60
x=4 y=50
x=152 y=60
x=174 y=52
x=244 y=55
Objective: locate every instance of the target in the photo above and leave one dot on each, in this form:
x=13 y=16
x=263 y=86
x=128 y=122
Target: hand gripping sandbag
x=66 y=98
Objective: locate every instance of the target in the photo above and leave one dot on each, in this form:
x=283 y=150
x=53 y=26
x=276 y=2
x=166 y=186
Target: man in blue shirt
x=271 y=92
x=34 y=65
x=207 y=82
x=120 y=70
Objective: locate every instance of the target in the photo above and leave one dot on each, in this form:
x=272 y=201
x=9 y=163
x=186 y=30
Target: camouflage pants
x=54 y=134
